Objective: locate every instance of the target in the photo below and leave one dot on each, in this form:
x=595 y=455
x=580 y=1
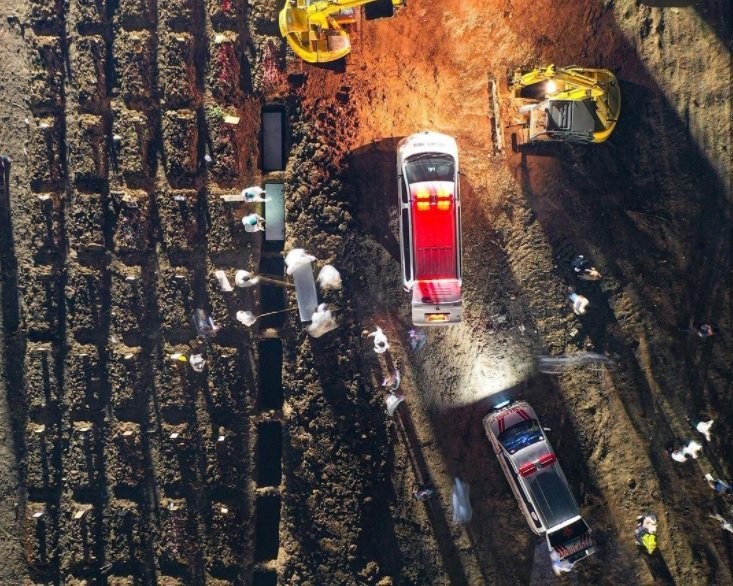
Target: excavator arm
x=563 y=83
x=562 y=90
x=314 y=28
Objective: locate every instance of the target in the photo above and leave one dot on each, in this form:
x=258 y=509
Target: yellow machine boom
x=315 y=30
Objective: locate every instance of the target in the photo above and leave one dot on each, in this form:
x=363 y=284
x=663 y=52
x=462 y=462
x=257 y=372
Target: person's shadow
x=658 y=568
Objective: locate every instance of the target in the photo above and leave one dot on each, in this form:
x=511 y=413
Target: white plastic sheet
x=393 y=401
x=460 y=498
x=224 y=283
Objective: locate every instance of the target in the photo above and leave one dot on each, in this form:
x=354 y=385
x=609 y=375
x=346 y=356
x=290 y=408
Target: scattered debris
x=691 y=450
x=584 y=270
x=424 y=492
x=178 y=357
x=392 y=381
x=418 y=338
x=705 y=330
x=204 y=324
x=557 y=364
x=224 y=283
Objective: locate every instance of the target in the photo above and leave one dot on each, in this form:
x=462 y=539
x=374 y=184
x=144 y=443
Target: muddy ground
x=278 y=462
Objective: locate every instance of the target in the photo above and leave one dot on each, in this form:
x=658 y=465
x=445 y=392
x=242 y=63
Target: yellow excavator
x=315 y=29
x=568 y=104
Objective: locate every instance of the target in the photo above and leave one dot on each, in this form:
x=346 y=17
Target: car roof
x=551 y=495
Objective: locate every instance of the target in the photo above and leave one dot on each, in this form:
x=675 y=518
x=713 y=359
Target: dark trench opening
x=272 y=296
x=269 y=453
x=267 y=528
x=271 y=377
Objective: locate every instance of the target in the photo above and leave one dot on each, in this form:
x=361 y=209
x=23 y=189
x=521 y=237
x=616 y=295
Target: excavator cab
x=317 y=30
x=570 y=104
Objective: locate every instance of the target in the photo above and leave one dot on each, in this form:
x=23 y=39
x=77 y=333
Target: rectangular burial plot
x=224 y=71
x=87 y=15
x=173 y=388
x=275 y=212
x=175 y=302
x=127 y=380
x=133 y=229
x=42 y=458
x=226 y=144
x=136 y=14
x=82 y=379
x=46 y=152
x=267 y=528
x=180 y=146
x=125 y=533
x=226 y=235
x=175 y=547
x=45 y=226
x=88 y=70
x=85 y=221
x=269 y=453
x=226 y=537
x=178 y=211
x=226 y=13
x=87 y=146
x=227 y=390
x=81 y=543
x=134 y=63
x=46 y=73
x=46 y=17
x=176 y=15
x=178 y=70
x=226 y=459
x=40 y=533
x=133 y=137
x=85 y=293
x=42 y=378
x=274 y=154
x=130 y=290
x=82 y=457
x=41 y=292
x=270 y=374
x=272 y=297
x=125 y=457
x=176 y=461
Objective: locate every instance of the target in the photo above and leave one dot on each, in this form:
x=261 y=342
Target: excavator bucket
x=317 y=31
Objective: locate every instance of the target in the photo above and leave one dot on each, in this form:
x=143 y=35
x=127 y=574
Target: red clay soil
x=116 y=226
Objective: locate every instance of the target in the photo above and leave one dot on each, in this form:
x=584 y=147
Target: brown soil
x=121 y=466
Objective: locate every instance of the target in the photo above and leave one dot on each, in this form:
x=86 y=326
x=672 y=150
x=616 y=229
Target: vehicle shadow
x=372 y=176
